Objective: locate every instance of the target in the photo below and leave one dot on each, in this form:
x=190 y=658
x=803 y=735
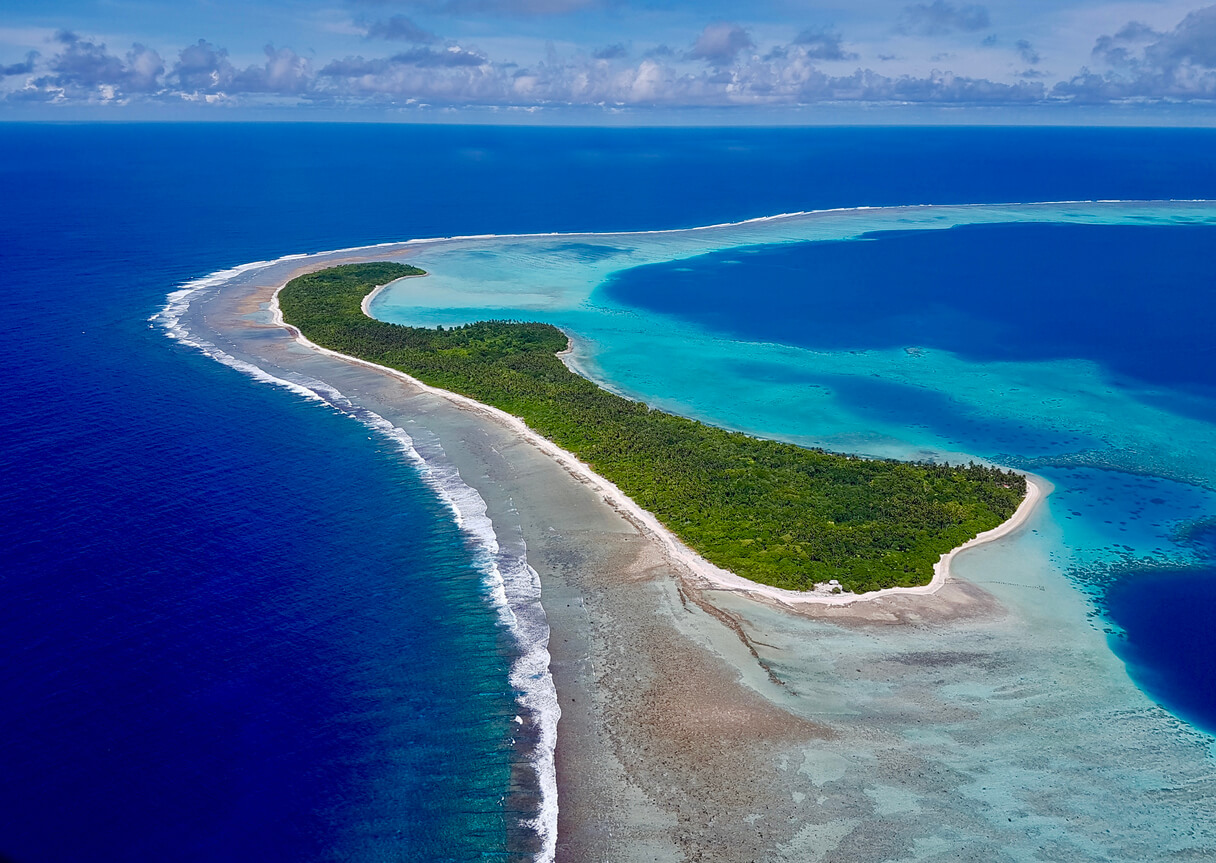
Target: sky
x=1152 y=61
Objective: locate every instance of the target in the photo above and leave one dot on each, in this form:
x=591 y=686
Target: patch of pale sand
x=662 y=753
x=695 y=564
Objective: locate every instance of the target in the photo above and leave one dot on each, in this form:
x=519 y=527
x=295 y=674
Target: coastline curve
x=912 y=638
x=696 y=566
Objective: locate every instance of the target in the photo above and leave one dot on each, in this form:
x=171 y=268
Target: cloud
x=84 y=70
x=454 y=57
x=501 y=8
x=940 y=17
x=822 y=44
x=421 y=77
x=1027 y=52
x=1123 y=48
x=610 y=52
x=85 y=63
x=948 y=88
x=203 y=68
x=1193 y=41
x=722 y=68
x=427 y=58
x=661 y=51
x=144 y=69
x=283 y=73
x=788 y=79
x=400 y=29
x=1146 y=64
x=454 y=75
x=353 y=67
x=20 y=68
x=719 y=44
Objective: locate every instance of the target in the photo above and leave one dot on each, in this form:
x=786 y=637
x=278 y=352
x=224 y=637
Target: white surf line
x=177 y=297
x=776 y=218
x=513 y=587
x=676 y=549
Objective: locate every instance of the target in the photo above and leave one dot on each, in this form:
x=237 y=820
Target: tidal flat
x=990 y=721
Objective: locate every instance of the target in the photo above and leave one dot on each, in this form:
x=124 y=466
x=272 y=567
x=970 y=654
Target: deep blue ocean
x=984 y=292
x=1138 y=300
x=236 y=626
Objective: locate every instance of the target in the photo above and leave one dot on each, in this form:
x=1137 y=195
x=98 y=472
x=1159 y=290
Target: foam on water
x=100 y=419
x=1053 y=416
x=553 y=278
x=512 y=587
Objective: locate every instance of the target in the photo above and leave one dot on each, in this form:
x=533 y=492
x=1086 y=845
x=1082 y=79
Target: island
x=771 y=512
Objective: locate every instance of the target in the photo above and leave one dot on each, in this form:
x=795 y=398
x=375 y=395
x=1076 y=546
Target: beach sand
x=704 y=720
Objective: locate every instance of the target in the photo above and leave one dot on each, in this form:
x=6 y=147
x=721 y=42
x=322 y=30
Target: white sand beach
x=693 y=564
x=981 y=716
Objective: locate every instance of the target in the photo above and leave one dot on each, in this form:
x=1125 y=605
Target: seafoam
x=512 y=586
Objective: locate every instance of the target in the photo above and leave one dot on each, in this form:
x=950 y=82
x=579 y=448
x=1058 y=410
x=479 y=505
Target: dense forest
x=772 y=512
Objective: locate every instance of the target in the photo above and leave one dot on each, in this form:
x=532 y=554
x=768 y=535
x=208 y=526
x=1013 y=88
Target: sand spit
x=692 y=563
x=987 y=721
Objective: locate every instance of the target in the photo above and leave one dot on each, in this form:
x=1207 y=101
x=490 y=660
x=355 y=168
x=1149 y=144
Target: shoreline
x=686 y=558
x=716 y=724
x=365 y=305
x=757 y=220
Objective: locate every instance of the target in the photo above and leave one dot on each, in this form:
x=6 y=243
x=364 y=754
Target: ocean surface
x=239 y=625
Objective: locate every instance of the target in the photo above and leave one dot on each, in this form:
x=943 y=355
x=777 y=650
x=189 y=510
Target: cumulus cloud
x=940 y=17
x=400 y=29
x=353 y=67
x=203 y=68
x=1193 y=41
x=85 y=70
x=509 y=8
x=1142 y=63
x=84 y=63
x=144 y=70
x=610 y=52
x=427 y=58
x=822 y=44
x=20 y=68
x=661 y=51
x=407 y=79
x=456 y=75
x=284 y=73
x=787 y=78
x=719 y=44
x=1027 y=52
x=1126 y=46
x=721 y=68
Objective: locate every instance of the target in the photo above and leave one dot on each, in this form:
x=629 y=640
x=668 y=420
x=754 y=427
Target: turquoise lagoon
x=209 y=578
x=1132 y=459
x=1071 y=725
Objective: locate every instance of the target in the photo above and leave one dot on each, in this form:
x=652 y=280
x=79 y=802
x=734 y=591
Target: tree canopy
x=771 y=512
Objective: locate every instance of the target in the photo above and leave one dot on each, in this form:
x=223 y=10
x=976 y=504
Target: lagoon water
x=239 y=626
x=1071 y=339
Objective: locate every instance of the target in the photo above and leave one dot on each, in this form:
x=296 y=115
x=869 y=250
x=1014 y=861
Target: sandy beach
x=704 y=717
x=693 y=731
x=691 y=564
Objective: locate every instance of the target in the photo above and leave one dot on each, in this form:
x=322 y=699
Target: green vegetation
x=772 y=512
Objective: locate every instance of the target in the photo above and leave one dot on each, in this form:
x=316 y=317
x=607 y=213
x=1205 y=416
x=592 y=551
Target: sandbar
x=979 y=718
x=692 y=564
